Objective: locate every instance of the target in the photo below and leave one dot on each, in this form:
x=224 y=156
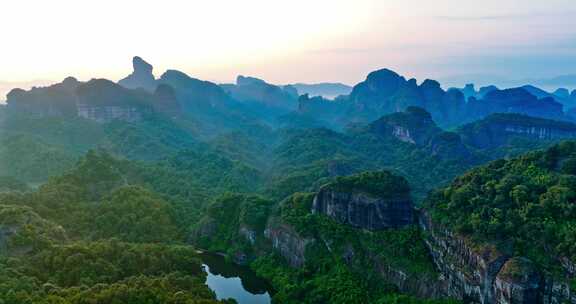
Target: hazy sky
x=289 y=41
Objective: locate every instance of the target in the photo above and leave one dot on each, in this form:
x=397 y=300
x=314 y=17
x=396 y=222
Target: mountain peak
x=247 y=80
x=141 y=66
x=141 y=76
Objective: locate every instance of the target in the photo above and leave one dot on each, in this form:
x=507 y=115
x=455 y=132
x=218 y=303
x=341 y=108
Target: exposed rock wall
x=482 y=274
x=540 y=132
x=104 y=114
x=469 y=273
x=498 y=129
x=287 y=242
x=365 y=211
x=420 y=286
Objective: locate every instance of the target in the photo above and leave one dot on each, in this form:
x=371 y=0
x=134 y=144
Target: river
x=233 y=281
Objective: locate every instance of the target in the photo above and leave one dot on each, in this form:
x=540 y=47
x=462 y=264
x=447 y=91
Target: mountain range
x=395 y=191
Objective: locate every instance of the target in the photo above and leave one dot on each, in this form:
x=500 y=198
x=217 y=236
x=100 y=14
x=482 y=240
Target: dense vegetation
x=381 y=184
x=104 y=212
x=105 y=272
x=338 y=258
x=305 y=157
x=524 y=206
x=91 y=236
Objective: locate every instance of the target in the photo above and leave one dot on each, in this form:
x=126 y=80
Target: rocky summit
x=141 y=76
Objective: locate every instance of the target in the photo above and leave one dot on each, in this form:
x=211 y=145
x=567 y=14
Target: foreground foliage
x=526 y=206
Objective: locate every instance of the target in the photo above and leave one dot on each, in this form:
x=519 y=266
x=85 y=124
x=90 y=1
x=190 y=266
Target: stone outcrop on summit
x=141 y=76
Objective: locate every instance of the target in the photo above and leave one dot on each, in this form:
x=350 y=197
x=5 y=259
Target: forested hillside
x=396 y=193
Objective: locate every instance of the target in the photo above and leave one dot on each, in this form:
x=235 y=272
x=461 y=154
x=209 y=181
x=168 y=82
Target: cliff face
x=287 y=242
x=104 y=114
x=370 y=200
x=496 y=130
x=104 y=101
x=99 y=100
x=362 y=210
x=468 y=273
x=482 y=274
x=414 y=125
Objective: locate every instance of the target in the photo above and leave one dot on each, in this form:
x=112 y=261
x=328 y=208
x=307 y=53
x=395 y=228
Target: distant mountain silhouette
x=324 y=89
x=255 y=90
x=141 y=77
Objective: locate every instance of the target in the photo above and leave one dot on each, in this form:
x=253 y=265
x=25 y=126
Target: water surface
x=232 y=281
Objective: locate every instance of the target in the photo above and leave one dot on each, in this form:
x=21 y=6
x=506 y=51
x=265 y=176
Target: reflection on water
x=232 y=281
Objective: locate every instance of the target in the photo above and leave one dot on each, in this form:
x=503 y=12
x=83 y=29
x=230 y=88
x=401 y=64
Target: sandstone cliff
x=498 y=129
x=372 y=200
x=480 y=273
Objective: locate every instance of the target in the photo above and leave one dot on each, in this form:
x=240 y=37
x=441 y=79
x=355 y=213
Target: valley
x=396 y=191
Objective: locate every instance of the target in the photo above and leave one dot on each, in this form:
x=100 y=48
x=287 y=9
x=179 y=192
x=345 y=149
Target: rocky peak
x=562 y=93
x=415 y=125
x=517 y=100
x=193 y=92
x=244 y=80
x=141 y=76
x=469 y=91
x=140 y=66
x=512 y=96
x=485 y=90
x=384 y=81
x=385 y=92
x=254 y=90
x=70 y=83
x=370 y=200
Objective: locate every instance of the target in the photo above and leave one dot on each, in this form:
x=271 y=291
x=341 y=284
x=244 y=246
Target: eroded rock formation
x=497 y=129
x=141 y=76
x=360 y=207
x=480 y=273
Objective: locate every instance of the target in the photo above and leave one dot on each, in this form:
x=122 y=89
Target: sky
x=454 y=41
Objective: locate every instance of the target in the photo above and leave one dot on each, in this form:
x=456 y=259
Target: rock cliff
x=99 y=100
x=414 y=125
x=287 y=242
x=104 y=101
x=498 y=129
x=480 y=273
x=350 y=202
